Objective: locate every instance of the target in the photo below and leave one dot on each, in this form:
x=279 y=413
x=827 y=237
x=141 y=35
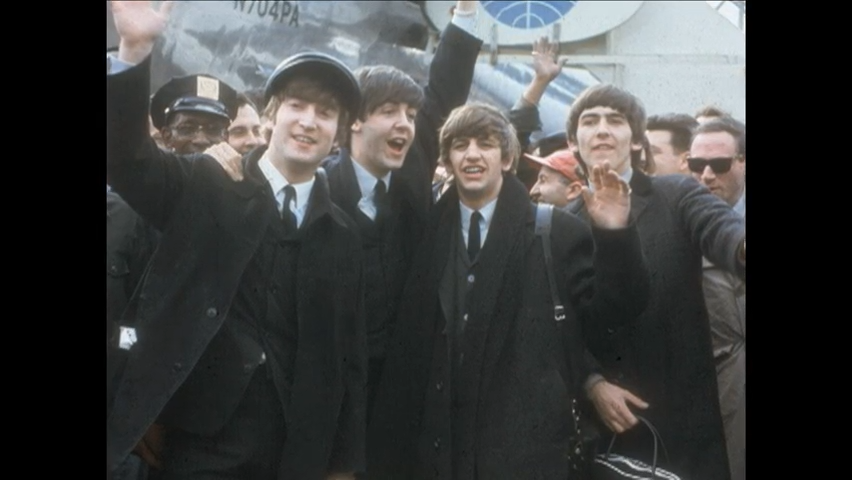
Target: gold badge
x=208 y=88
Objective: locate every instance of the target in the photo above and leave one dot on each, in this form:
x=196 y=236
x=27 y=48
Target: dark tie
x=473 y=239
x=286 y=214
x=380 y=194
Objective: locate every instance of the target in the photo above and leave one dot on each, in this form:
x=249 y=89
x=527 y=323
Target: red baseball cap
x=562 y=161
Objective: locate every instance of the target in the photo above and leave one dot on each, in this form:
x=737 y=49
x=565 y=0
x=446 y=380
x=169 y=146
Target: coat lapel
x=497 y=283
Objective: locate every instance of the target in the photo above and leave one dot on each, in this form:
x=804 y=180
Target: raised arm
x=450 y=79
x=525 y=115
x=147 y=178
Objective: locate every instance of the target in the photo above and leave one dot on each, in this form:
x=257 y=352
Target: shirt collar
x=487 y=212
x=367 y=181
x=278 y=182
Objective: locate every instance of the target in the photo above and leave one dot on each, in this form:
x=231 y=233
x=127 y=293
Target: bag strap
x=657 y=438
x=543 y=220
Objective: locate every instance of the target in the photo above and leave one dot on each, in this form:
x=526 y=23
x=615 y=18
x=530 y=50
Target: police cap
x=193 y=93
x=329 y=69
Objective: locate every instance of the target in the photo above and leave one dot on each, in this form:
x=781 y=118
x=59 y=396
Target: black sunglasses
x=718 y=165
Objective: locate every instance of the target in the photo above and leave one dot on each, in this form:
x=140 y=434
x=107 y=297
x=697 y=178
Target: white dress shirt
x=367 y=183
x=277 y=181
x=487 y=213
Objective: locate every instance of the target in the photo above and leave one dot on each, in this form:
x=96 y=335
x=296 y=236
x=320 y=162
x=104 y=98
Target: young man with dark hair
x=251 y=350
x=670 y=136
x=382 y=176
x=480 y=377
x=245 y=134
x=664 y=356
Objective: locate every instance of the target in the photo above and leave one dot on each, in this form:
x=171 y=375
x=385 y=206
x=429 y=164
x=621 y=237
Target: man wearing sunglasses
x=717 y=159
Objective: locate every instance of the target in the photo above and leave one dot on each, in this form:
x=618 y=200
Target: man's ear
x=573 y=147
x=356 y=127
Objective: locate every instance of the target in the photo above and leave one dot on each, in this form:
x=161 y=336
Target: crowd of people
x=349 y=275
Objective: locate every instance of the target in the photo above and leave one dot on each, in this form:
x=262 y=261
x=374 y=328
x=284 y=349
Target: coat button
x=212 y=312
x=470 y=278
x=247 y=367
x=465 y=317
x=439 y=386
x=177 y=367
x=437 y=443
x=263 y=358
x=113 y=268
x=610 y=331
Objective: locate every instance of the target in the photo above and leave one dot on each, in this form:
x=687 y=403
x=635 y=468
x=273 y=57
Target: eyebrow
x=607 y=115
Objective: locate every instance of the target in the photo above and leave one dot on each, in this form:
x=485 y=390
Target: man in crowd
x=560 y=180
x=665 y=356
x=669 y=136
x=244 y=134
x=717 y=159
x=251 y=350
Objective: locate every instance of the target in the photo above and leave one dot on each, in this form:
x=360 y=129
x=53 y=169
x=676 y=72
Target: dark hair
x=728 y=125
x=479 y=120
x=649 y=166
x=312 y=89
x=712 y=111
x=549 y=144
x=243 y=99
x=382 y=84
x=607 y=95
x=680 y=125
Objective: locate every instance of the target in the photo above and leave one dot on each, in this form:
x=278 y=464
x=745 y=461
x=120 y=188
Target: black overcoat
x=211 y=227
x=518 y=420
x=666 y=356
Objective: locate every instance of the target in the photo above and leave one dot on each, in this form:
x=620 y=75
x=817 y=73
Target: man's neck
x=358 y=157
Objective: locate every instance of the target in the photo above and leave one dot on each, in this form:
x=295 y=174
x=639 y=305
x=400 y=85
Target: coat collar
x=255 y=183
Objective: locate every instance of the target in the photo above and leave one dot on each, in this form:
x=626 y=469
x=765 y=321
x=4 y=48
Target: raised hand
x=545 y=62
x=229 y=159
x=611 y=403
x=138 y=25
x=609 y=204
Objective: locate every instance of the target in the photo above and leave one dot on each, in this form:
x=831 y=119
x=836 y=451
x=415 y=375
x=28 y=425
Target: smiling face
x=477 y=146
x=381 y=141
x=604 y=134
x=304 y=128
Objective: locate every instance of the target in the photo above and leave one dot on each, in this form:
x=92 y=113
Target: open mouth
x=473 y=170
x=397 y=145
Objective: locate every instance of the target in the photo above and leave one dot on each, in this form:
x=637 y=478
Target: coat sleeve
x=607 y=275
x=148 y=179
x=450 y=78
x=525 y=118
x=349 y=451
x=712 y=224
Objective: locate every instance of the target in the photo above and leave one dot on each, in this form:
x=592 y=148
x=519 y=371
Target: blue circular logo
x=527 y=15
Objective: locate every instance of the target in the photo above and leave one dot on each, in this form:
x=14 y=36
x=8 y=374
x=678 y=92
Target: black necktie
x=473 y=239
x=379 y=199
x=286 y=214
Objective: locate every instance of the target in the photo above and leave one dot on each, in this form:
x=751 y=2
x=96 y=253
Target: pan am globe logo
x=528 y=15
